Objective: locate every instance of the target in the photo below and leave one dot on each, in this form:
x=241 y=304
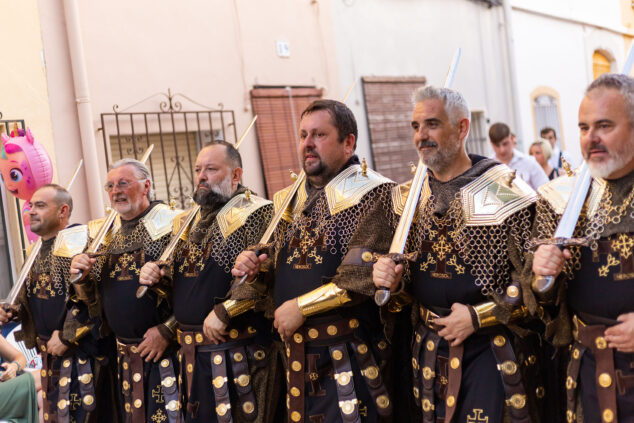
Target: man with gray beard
x=230 y=219
x=466 y=256
x=595 y=275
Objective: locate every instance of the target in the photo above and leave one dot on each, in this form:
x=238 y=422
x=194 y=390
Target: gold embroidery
x=75 y=401
x=623 y=245
x=159 y=416
x=425 y=265
x=477 y=417
x=306 y=247
x=123 y=267
x=43 y=288
x=453 y=261
x=604 y=270
x=158 y=394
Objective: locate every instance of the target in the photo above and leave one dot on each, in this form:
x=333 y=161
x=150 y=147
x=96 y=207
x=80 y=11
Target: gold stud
x=233 y=333
x=575 y=354
x=383 y=401
x=428 y=373
x=66 y=363
x=353 y=323
x=43 y=373
x=296 y=366
x=508 y=367
x=165 y=362
x=342 y=378
x=248 y=407
x=85 y=378
x=190 y=368
x=347 y=407
x=88 y=399
x=451 y=401
x=168 y=382
x=46 y=416
x=570 y=383
x=414 y=363
x=63 y=381
x=128 y=408
x=601 y=343
x=430 y=345
x=427 y=405
x=134 y=349
x=313 y=333
x=138 y=403
x=222 y=409
x=295 y=416
x=512 y=291
x=532 y=359
x=540 y=392
x=43 y=347
x=371 y=372
x=288 y=352
x=259 y=355
x=295 y=391
x=125 y=366
x=218 y=382
x=418 y=338
x=366 y=256
x=337 y=355
x=382 y=345
x=238 y=357
x=455 y=363
x=416 y=392
x=199 y=338
x=242 y=380
x=605 y=380
x=608 y=415
x=362 y=348
x=332 y=330
x=499 y=341
x=517 y=401
x=81 y=361
x=173 y=405
x=61 y=404
x=125 y=385
x=188 y=339
x=217 y=359
x=136 y=377
x=298 y=338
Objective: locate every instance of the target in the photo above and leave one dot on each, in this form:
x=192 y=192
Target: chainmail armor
x=59 y=270
x=483 y=248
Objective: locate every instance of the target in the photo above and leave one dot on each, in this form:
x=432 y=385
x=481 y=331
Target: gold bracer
x=170 y=324
x=486 y=318
x=324 y=298
x=236 y=307
x=85 y=291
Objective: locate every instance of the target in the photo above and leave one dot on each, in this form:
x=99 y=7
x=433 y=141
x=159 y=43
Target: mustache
x=118 y=197
x=312 y=152
x=593 y=148
x=426 y=143
x=203 y=185
x=208 y=198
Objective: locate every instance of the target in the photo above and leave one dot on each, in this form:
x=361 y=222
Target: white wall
x=557 y=53
x=407 y=38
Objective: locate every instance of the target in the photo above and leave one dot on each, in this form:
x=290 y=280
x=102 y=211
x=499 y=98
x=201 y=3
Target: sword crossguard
x=142 y=290
x=560 y=242
x=396 y=257
x=364 y=167
x=412 y=168
x=508 y=179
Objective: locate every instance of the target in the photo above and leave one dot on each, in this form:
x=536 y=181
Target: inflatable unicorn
x=25 y=166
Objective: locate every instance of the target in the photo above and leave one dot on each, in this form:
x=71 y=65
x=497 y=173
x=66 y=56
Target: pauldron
x=236 y=212
x=557 y=192
x=71 y=241
x=494 y=196
x=158 y=222
x=344 y=191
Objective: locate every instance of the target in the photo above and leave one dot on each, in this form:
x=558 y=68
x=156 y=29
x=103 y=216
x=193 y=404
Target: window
x=600 y=64
x=478 y=140
x=546 y=112
x=279 y=111
x=388 y=103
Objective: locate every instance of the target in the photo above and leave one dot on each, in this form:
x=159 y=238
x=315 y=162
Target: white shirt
x=527 y=169
x=554 y=159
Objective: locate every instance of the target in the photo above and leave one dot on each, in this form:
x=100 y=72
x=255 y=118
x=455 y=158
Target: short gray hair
x=623 y=83
x=140 y=171
x=456 y=106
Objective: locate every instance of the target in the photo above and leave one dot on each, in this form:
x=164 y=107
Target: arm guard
x=237 y=307
x=324 y=298
x=485 y=313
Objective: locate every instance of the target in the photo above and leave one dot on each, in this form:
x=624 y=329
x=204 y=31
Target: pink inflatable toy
x=25 y=166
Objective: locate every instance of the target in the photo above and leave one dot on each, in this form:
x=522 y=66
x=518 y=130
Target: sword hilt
x=243 y=279
x=382 y=295
x=142 y=290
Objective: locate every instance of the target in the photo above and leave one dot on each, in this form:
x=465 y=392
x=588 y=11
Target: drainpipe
x=511 y=65
x=84 y=107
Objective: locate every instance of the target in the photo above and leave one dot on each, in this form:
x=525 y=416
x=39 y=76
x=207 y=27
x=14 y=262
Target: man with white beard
x=595 y=275
x=143 y=327
x=230 y=219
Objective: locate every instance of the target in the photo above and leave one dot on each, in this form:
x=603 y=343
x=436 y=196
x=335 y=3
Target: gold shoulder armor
x=348 y=187
x=236 y=212
x=296 y=205
x=557 y=192
x=400 y=193
x=158 y=222
x=95 y=225
x=178 y=221
x=494 y=196
x=71 y=241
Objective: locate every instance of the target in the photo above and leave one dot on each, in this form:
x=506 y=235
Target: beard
x=41 y=227
x=211 y=195
x=442 y=157
x=615 y=161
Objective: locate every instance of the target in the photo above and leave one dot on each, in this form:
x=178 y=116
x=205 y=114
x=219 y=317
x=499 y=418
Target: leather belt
x=516 y=399
x=131 y=375
x=337 y=335
x=47 y=378
x=232 y=351
x=591 y=337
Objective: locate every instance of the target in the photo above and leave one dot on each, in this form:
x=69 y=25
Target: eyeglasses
x=122 y=184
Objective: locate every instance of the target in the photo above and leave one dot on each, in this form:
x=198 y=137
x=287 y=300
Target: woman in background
x=18 y=393
x=541 y=151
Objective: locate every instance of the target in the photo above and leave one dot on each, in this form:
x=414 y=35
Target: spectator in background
x=503 y=143
x=18 y=391
x=555 y=161
x=542 y=152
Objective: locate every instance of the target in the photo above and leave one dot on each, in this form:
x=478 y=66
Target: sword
x=35 y=250
x=167 y=253
x=105 y=227
x=542 y=286
x=397 y=248
x=268 y=234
